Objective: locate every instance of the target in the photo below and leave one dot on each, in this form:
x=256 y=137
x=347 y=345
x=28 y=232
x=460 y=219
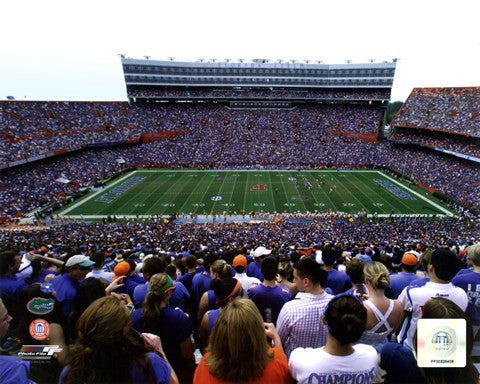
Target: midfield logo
x=259 y=187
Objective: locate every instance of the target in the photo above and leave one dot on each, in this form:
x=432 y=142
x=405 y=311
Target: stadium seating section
x=213 y=135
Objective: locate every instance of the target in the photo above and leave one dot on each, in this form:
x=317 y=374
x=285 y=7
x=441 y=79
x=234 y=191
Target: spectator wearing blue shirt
x=254 y=269
x=268 y=297
x=201 y=284
x=354 y=270
x=65 y=285
x=12 y=369
x=150 y=267
x=186 y=279
x=470 y=283
x=365 y=255
x=172 y=325
x=400 y=280
x=131 y=280
x=10 y=285
x=337 y=281
x=180 y=295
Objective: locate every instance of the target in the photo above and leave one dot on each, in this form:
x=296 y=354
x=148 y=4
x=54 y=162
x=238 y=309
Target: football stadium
x=165 y=238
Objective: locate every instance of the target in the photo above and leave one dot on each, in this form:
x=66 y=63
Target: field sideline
x=147 y=193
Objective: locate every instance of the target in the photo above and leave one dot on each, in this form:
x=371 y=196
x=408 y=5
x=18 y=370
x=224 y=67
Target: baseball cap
x=260 y=251
x=410 y=258
x=80 y=261
x=239 y=261
x=121 y=269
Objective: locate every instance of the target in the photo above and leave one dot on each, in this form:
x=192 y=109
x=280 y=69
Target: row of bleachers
x=266 y=93
x=454 y=110
x=469 y=146
x=35 y=128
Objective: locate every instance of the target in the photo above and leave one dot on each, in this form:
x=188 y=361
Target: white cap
x=79 y=260
x=260 y=251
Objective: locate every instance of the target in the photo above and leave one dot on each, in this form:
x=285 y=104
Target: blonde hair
x=238 y=347
x=221 y=268
x=155 y=300
x=376 y=274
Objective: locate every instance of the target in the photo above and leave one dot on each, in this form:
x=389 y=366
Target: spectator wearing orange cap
x=400 y=280
x=240 y=265
x=131 y=280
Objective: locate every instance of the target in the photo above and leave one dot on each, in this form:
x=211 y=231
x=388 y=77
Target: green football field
x=145 y=193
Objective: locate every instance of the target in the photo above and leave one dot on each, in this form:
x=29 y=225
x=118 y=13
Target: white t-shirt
x=315 y=366
x=413 y=298
x=101 y=274
x=246 y=282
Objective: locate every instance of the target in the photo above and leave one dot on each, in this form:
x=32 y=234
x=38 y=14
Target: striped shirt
x=300 y=322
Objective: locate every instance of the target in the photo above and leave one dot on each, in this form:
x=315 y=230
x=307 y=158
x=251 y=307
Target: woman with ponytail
x=383 y=315
x=226 y=291
x=172 y=325
x=219 y=269
x=339 y=360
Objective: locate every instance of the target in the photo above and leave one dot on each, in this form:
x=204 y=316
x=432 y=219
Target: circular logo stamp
x=39 y=329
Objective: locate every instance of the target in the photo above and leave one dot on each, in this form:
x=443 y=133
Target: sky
x=68 y=49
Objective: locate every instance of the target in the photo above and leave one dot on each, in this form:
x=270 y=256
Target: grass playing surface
x=162 y=192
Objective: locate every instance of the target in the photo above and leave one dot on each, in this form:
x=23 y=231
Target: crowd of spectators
x=455 y=110
x=331 y=327
x=38 y=128
x=455 y=143
x=336 y=228
x=258 y=93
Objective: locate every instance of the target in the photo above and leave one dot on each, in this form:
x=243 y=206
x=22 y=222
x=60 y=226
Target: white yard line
x=446 y=211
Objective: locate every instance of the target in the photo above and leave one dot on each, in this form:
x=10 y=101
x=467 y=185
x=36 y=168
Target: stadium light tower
x=171 y=58
x=147 y=57
x=371 y=60
x=122 y=55
x=395 y=59
x=348 y=61
x=319 y=61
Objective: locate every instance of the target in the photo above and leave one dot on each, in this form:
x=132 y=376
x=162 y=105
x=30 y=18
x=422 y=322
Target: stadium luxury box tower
x=259 y=83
